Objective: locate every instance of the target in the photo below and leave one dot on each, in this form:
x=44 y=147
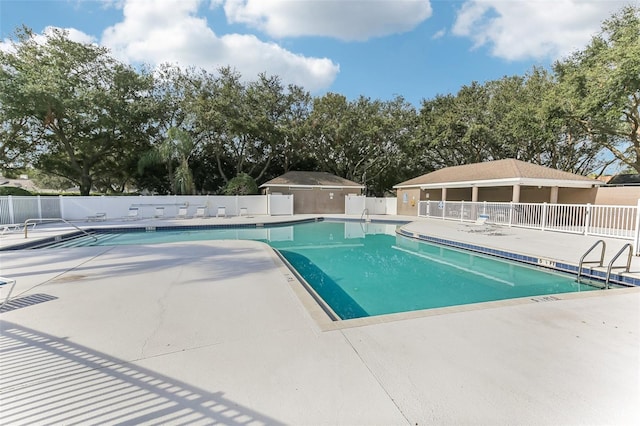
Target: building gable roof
x=507 y=170
x=319 y=179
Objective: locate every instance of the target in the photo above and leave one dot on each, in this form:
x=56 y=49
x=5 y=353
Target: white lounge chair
x=201 y=211
x=11 y=227
x=222 y=211
x=98 y=217
x=182 y=212
x=244 y=211
x=482 y=226
x=482 y=219
x=159 y=213
x=133 y=214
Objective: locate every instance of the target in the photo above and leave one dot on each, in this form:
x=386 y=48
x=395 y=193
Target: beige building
x=313 y=192
x=498 y=181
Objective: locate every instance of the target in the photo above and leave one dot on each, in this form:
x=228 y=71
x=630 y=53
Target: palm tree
x=177 y=147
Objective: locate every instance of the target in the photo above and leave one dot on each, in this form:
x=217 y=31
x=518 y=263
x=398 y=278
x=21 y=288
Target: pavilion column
x=553 y=199
x=515 y=196
x=474 y=194
x=444 y=194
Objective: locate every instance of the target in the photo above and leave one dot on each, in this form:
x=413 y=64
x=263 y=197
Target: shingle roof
x=492 y=170
x=311 y=179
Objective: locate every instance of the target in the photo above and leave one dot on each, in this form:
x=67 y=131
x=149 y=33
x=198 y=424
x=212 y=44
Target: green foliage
x=361 y=140
x=176 y=148
x=82 y=111
x=514 y=117
x=49 y=181
x=243 y=184
x=12 y=190
x=76 y=113
x=600 y=87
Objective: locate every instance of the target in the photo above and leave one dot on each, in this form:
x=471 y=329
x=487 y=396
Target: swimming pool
x=362 y=270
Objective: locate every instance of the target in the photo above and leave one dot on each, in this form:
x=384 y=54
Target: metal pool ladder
x=626 y=267
x=599 y=262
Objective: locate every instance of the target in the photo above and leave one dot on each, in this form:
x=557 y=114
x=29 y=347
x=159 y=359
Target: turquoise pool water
x=366 y=269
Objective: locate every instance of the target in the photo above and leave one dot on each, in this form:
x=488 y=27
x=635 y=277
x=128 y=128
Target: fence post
x=61 y=201
x=636 y=237
x=461 y=210
x=10 y=205
x=39 y=207
x=484 y=207
x=444 y=209
x=510 y=213
x=544 y=216
x=587 y=219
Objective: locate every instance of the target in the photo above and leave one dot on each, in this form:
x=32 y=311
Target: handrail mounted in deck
x=599 y=262
x=55 y=219
x=626 y=267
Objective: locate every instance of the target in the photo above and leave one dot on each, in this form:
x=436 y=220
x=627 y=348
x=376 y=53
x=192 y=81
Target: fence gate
x=354 y=204
x=280 y=204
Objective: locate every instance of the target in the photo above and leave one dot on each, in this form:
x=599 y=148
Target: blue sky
x=375 y=48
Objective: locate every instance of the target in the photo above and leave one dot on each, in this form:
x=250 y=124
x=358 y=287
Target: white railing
x=587 y=219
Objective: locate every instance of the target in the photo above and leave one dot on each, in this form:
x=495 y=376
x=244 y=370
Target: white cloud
x=156 y=32
x=439 y=34
x=342 y=19
x=537 y=29
x=73 y=34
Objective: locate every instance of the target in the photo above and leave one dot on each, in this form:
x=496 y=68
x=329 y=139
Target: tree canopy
x=600 y=87
x=72 y=110
x=84 y=112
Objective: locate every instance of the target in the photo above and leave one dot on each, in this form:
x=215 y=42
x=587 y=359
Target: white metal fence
x=607 y=221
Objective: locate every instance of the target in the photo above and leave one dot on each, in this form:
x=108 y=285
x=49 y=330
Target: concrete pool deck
x=216 y=331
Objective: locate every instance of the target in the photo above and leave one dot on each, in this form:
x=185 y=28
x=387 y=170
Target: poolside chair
x=482 y=219
x=201 y=211
x=98 y=217
x=482 y=226
x=182 y=212
x=159 y=213
x=133 y=214
x=222 y=211
x=244 y=211
x=11 y=227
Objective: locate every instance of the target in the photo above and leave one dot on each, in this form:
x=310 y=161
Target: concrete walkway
x=219 y=332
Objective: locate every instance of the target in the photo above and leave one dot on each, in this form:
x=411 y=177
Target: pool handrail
x=626 y=267
x=54 y=219
x=364 y=217
x=599 y=262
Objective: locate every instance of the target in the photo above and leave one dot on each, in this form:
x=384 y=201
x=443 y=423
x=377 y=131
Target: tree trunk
x=85 y=184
